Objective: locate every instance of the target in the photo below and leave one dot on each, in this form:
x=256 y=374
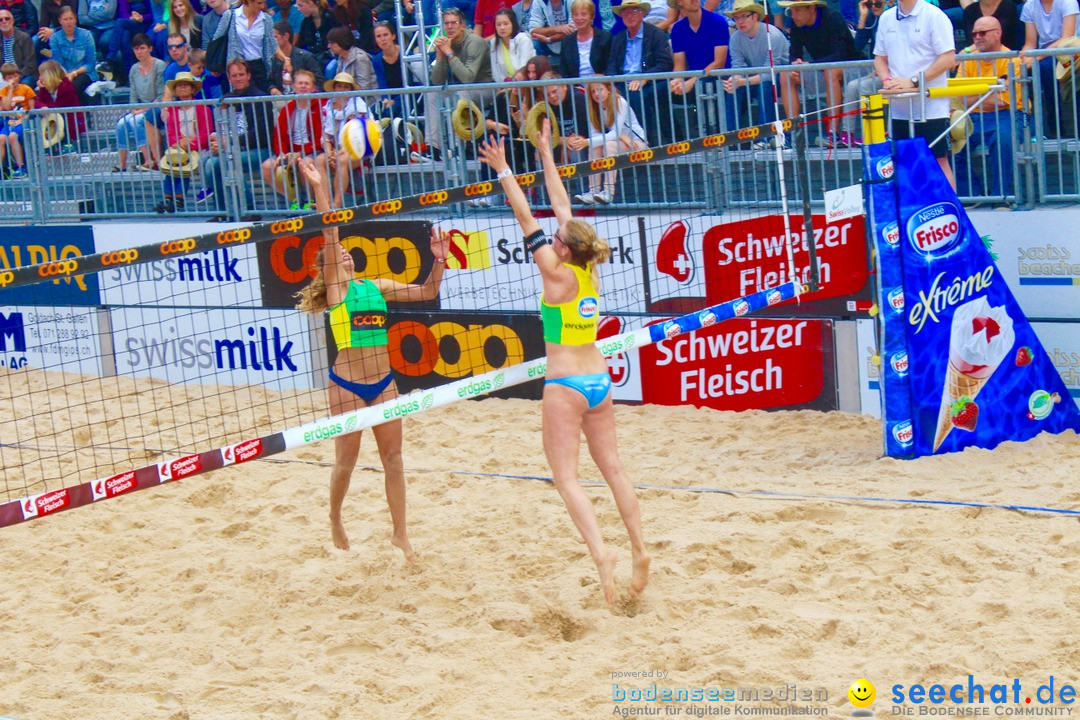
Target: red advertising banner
x=743 y=364
x=748 y=256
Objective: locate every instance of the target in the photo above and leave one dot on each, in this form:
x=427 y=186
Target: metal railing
x=428 y=143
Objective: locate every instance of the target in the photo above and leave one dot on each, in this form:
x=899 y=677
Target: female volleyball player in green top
x=577 y=392
x=361 y=374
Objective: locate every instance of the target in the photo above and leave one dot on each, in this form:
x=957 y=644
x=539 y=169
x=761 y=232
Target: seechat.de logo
x=233 y=236
x=120 y=257
x=885 y=168
x=602 y=164
x=678 y=148
x=63 y=267
x=935 y=230
x=284 y=226
x=383 y=208
x=338 y=216
x=587 y=307
x=434 y=198
x=178 y=246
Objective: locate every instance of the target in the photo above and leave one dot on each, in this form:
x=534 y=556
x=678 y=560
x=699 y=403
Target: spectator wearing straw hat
x=586 y=52
x=992 y=121
x=17 y=47
x=755 y=44
x=641 y=48
x=818 y=35
x=187 y=131
x=914 y=38
x=333 y=162
x=288 y=59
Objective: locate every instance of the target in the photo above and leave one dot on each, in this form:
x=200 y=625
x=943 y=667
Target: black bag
x=218 y=49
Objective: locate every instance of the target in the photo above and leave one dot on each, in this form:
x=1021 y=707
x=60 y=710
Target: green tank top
x=360 y=319
x=573 y=322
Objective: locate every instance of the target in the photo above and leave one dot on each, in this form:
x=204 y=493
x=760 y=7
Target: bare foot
x=402 y=543
x=606 y=566
x=640 y=576
x=341 y=539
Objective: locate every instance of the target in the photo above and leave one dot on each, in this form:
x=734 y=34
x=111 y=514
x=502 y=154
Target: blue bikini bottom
x=594 y=387
x=366 y=392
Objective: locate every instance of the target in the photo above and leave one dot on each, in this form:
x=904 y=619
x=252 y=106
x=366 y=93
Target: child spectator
x=13 y=96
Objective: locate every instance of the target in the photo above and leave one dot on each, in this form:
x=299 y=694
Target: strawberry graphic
x=965 y=414
x=1024 y=356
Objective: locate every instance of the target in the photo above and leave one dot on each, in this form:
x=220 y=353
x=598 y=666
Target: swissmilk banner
x=973 y=368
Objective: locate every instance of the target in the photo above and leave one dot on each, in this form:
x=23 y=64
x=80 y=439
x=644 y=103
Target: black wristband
x=535 y=241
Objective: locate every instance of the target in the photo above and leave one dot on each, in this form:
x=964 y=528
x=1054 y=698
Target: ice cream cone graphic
x=980 y=338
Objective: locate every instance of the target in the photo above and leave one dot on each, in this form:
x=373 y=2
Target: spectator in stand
x=297 y=134
x=248 y=129
x=14 y=96
x=334 y=163
x=1006 y=12
x=484 y=20
x=510 y=48
x=188 y=128
x=1046 y=22
x=99 y=17
x=523 y=10
x=24 y=13
x=389 y=68
x=356 y=16
x=211 y=84
x=755 y=44
x=146 y=83
x=155 y=116
x=161 y=11
x=586 y=52
x=186 y=21
x=818 y=35
x=915 y=39
x=384 y=12
x=317 y=22
x=461 y=58
x=663 y=16
x=570 y=116
x=49 y=20
x=993 y=124
x=505 y=119
x=286 y=11
x=215 y=12
x=251 y=38
x=351 y=58
x=287 y=60
x=865 y=36
x=549 y=23
x=73 y=48
x=17 y=47
x=132 y=18
x=55 y=90
x=699 y=42
x=613 y=129
x=642 y=48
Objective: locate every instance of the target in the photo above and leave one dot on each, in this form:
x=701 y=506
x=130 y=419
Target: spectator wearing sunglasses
x=17 y=47
x=1005 y=12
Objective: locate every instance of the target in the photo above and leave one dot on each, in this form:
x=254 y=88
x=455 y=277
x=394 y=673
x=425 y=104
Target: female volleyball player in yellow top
x=361 y=373
x=577 y=392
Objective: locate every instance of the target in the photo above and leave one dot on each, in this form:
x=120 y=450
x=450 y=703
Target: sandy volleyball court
x=221 y=596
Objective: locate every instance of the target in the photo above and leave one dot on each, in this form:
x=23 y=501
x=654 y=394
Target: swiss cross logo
x=672 y=255
x=618 y=364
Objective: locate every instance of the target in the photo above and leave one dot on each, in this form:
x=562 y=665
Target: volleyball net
x=133 y=361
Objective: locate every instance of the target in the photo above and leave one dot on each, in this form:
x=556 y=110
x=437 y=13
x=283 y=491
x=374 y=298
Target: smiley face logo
x=862 y=693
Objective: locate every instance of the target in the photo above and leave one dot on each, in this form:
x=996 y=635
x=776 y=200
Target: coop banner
x=979 y=375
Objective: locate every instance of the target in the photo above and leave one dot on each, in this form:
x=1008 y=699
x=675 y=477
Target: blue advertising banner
x=55 y=245
x=978 y=374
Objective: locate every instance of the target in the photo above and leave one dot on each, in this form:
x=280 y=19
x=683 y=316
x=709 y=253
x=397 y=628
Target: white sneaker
x=586 y=198
x=604 y=197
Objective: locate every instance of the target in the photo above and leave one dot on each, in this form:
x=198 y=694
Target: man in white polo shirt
x=916 y=37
